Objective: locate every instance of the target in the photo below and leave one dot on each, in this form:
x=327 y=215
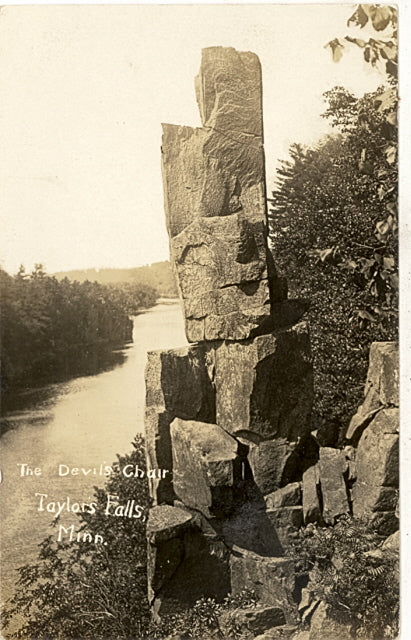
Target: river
x=83 y=422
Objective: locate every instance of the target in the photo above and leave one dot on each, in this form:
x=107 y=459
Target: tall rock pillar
x=227 y=416
x=215 y=202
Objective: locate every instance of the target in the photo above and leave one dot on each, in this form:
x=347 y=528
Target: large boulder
x=184 y=562
x=166 y=522
x=190 y=571
x=381 y=388
x=383 y=372
x=362 y=418
x=288 y=496
x=325 y=627
x=265 y=385
x=177 y=385
x=377 y=462
x=311 y=495
x=333 y=487
x=228 y=89
x=252 y=620
x=166 y=527
x=392 y=543
x=273 y=464
x=286 y=521
x=249 y=527
x=177 y=381
x=272 y=579
x=206 y=466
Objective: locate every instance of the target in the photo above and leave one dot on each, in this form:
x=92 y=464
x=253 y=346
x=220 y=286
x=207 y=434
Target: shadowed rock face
x=206 y=466
x=214 y=188
x=177 y=385
x=265 y=385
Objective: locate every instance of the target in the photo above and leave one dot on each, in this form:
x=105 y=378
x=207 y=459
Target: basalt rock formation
x=229 y=416
x=215 y=202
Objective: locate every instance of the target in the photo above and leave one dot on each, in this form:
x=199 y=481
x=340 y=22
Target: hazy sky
x=84 y=90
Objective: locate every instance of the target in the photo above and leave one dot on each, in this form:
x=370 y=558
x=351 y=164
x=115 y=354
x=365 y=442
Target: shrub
x=205 y=619
x=348 y=570
x=87 y=590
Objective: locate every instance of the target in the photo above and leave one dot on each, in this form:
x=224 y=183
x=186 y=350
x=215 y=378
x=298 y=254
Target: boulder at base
x=272 y=579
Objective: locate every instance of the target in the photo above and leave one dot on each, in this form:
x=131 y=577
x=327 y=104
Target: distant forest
x=50 y=323
x=158 y=275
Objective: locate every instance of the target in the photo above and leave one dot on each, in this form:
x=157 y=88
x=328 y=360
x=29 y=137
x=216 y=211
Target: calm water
x=83 y=422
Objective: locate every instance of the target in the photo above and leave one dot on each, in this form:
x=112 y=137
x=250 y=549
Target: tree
x=377 y=51
x=380 y=267
x=328 y=239
x=45 y=322
x=334 y=225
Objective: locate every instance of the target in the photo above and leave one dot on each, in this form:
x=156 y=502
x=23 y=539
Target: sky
x=84 y=90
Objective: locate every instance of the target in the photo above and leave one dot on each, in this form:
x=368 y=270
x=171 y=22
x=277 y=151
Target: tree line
x=45 y=321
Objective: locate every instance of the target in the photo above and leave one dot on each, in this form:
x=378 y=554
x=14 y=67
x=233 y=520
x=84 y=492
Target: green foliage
x=87 y=590
x=45 y=320
x=207 y=619
x=334 y=232
x=348 y=570
x=376 y=51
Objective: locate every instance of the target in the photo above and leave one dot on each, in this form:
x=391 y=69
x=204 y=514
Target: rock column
x=228 y=416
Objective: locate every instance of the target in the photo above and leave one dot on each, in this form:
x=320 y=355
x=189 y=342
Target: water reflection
x=45 y=390
x=80 y=422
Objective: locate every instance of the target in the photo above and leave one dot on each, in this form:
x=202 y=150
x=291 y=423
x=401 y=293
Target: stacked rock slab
x=177 y=386
x=225 y=416
x=215 y=203
x=376 y=429
x=362 y=479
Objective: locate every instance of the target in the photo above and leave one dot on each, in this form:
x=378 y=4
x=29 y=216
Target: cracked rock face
x=206 y=465
x=375 y=493
x=265 y=386
x=227 y=418
x=177 y=385
x=228 y=89
x=214 y=187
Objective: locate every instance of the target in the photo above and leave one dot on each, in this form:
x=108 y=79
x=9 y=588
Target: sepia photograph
x=199 y=299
